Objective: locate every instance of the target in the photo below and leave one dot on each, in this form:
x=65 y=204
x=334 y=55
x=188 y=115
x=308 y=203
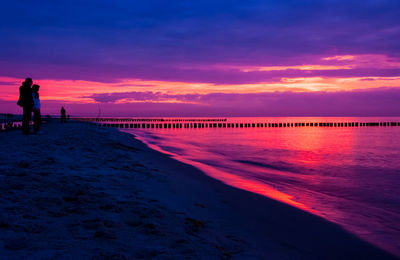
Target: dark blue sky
x=141 y=38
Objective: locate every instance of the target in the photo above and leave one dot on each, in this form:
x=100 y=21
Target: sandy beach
x=77 y=191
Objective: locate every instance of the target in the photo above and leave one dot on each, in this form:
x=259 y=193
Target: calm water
x=350 y=176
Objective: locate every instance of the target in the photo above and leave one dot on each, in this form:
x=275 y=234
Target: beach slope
x=77 y=191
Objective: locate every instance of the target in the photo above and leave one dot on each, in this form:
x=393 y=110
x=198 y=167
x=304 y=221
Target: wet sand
x=77 y=191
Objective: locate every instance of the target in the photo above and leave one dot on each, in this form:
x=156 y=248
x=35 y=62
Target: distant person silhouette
x=26 y=102
x=63 y=118
x=36 y=108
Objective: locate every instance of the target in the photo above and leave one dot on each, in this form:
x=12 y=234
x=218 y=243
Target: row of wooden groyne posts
x=10 y=126
x=152 y=119
x=204 y=123
x=9 y=121
x=243 y=125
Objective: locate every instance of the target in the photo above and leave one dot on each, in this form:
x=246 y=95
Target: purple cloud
x=373 y=102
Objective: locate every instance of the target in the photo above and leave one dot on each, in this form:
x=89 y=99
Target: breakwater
x=224 y=124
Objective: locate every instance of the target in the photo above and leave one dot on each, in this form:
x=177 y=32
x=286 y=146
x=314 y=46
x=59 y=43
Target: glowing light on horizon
x=80 y=91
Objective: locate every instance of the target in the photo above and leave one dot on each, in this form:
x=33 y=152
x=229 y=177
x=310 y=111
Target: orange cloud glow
x=77 y=91
x=80 y=90
x=344 y=57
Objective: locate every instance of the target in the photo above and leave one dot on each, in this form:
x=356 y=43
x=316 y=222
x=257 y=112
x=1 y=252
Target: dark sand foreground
x=77 y=191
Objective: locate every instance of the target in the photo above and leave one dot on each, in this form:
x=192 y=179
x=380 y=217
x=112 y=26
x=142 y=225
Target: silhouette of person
x=36 y=108
x=26 y=102
x=63 y=118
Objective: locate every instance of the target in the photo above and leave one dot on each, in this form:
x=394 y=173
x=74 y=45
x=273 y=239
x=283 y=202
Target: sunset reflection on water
x=348 y=175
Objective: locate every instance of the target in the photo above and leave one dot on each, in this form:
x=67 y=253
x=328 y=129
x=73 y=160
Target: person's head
x=35 y=88
x=28 y=82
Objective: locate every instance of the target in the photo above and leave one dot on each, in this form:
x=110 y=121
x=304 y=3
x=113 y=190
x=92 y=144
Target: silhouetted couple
x=30 y=102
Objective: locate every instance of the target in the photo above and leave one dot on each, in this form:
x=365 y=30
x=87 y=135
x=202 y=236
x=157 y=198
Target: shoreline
x=90 y=192
x=237 y=181
x=202 y=169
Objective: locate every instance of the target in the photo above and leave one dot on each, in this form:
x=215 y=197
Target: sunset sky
x=204 y=58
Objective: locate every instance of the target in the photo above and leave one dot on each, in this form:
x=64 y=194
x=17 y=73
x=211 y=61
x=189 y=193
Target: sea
x=347 y=175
